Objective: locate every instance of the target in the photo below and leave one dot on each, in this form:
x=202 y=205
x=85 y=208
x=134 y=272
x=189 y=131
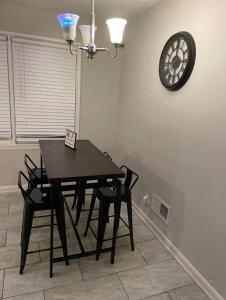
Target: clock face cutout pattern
x=177 y=60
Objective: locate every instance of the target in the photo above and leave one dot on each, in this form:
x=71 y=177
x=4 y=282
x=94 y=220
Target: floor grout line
x=141 y=254
x=122 y=285
x=24 y=294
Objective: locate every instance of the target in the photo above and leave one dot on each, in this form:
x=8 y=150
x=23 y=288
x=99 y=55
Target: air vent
x=160 y=207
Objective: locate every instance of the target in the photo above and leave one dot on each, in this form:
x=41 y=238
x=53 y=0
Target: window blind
x=5 y=122
x=44 y=88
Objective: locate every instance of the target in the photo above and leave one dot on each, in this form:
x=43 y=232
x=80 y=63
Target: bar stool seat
x=39 y=201
x=110 y=193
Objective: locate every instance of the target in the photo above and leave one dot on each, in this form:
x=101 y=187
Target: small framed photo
x=70 y=140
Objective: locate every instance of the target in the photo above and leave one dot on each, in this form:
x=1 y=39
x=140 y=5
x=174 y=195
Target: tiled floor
x=149 y=272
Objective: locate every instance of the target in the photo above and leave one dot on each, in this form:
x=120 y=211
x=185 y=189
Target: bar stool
x=108 y=196
x=35 y=200
x=36 y=175
x=80 y=189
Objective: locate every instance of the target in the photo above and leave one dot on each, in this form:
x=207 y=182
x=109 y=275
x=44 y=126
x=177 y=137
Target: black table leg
x=51 y=229
x=41 y=162
x=81 y=199
x=117 y=208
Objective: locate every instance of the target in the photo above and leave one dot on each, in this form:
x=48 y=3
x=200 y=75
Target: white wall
x=176 y=140
x=99 y=83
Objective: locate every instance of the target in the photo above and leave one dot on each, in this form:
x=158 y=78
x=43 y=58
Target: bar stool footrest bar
x=42 y=250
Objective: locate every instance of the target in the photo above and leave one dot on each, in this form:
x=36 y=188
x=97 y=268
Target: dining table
x=85 y=167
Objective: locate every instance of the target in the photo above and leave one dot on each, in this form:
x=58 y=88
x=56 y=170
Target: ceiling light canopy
x=68 y=23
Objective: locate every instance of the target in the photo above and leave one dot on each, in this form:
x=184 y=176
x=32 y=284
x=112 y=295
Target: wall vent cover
x=160 y=207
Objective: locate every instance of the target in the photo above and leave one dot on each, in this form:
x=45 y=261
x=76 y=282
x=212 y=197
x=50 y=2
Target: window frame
x=31 y=143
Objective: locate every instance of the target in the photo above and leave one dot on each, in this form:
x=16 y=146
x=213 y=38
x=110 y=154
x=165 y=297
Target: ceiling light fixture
x=69 y=23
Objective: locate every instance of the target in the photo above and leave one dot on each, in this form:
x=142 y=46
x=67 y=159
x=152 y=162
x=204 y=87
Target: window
x=44 y=89
x=5 y=123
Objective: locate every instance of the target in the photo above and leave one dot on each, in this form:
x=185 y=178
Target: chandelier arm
x=83 y=48
x=71 y=49
x=109 y=52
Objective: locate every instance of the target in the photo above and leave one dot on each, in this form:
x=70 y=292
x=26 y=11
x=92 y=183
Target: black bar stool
x=36 y=175
x=80 y=191
x=35 y=200
x=108 y=196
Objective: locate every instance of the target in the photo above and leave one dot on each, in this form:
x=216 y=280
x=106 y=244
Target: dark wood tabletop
x=86 y=162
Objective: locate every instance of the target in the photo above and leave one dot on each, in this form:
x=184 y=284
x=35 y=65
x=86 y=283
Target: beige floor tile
x=140 y=231
x=10 y=256
x=36 y=277
x=16 y=207
x=37 y=234
x=154 y=279
x=108 y=287
x=10 y=197
x=32 y=296
x=125 y=259
x=4 y=208
x=191 y=292
x=72 y=244
x=153 y=251
x=136 y=219
x=10 y=221
x=3 y=238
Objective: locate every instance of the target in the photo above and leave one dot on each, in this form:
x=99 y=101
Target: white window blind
x=44 y=88
x=5 y=122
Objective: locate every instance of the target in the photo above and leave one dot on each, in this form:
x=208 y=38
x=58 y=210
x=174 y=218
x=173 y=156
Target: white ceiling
x=104 y=8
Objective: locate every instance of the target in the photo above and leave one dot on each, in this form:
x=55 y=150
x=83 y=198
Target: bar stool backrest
x=24 y=192
x=131 y=177
x=31 y=166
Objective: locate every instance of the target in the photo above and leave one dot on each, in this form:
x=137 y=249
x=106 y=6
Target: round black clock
x=177 y=60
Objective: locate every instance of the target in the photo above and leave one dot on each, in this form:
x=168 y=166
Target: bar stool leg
x=60 y=217
x=117 y=209
x=92 y=204
x=102 y=221
x=28 y=219
x=75 y=198
x=108 y=219
x=22 y=227
x=130 y=221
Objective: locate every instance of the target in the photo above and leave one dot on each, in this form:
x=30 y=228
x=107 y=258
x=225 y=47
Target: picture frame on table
x=70 y=139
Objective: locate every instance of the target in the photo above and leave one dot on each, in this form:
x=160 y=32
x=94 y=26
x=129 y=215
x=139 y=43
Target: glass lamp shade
x=85 y=31
x=68 y=23
x=116 y=28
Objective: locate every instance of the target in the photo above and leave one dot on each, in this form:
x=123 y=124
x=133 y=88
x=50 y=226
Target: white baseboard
x=10 y=188
x=208 y=289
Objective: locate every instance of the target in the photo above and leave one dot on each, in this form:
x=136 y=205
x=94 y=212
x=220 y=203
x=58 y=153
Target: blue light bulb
x=67 y=19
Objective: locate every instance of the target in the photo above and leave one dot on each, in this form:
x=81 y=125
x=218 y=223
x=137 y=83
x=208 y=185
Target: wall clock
x=177 y=60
